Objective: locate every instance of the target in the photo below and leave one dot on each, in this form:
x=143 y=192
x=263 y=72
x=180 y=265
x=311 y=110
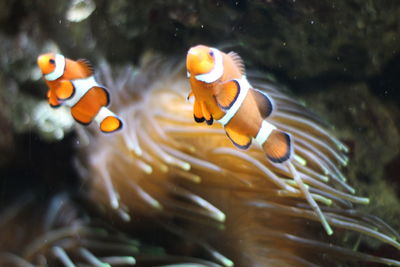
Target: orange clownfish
x=72 y=83
x=222 y=93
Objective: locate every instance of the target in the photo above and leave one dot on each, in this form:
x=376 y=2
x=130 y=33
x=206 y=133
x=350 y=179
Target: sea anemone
x=61 y=233
x=164 y=168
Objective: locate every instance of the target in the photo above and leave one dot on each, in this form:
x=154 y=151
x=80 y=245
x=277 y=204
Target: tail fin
x=108 y=122
x=278 y=146
x=111 y=124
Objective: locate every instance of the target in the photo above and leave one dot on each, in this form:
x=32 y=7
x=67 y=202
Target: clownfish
x=222 y=93
x=72 y=83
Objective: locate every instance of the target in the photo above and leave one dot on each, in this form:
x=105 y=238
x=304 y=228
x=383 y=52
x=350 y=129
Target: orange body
x=72 y=83
x=73 y=70
x=222 y=92
x=247 y=120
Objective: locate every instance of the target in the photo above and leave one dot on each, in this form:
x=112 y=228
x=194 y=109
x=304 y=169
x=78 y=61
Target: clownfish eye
x=211 y=53
x=51 y=61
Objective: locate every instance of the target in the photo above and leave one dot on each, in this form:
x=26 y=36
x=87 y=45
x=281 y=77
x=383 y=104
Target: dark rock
x=370 y=125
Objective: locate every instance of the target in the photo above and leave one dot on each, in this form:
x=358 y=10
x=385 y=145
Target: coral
x=370 y=127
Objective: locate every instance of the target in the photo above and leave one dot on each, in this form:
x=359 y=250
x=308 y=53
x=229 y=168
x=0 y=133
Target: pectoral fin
x=64 y=90
x=264 y=102
x=190 y=95
x=241 y=141
x=52 y=99
x=227 y=94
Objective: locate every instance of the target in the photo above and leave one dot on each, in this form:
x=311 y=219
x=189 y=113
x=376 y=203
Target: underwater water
x=167 y=191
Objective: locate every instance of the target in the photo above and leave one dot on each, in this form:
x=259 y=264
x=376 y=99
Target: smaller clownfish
x=72 y=83
x=222 y=93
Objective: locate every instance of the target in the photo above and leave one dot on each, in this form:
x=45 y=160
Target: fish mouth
x=193 y=51
x=43 y=62
x=196 y=62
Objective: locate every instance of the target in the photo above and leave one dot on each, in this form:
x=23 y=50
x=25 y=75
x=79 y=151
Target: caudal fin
x=111 y=124
x=278 y=146
x=108 y=122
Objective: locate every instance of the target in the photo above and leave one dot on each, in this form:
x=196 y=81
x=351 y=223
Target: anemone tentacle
x=165 y=167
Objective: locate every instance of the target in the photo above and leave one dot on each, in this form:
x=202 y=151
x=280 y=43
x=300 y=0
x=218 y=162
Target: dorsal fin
x=86 y=65
x=238 y=61
x=264 y=103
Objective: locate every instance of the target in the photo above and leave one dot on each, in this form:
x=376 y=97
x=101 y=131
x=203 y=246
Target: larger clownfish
x=72 y=83
x=222 y=93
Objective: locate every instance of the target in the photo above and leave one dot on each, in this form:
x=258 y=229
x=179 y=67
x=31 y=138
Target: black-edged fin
x=111 y=124
x=197 y=112
x=107 y=95
x=264 y=102
x=210 y=121
x=238 y=62
x=228 y=94
x=87 y=66
x=198 y=120
x=206 y=113
x=278 y=146
x=77 y=118
x=239 y=140
x=55 y=106
x=52 y=99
